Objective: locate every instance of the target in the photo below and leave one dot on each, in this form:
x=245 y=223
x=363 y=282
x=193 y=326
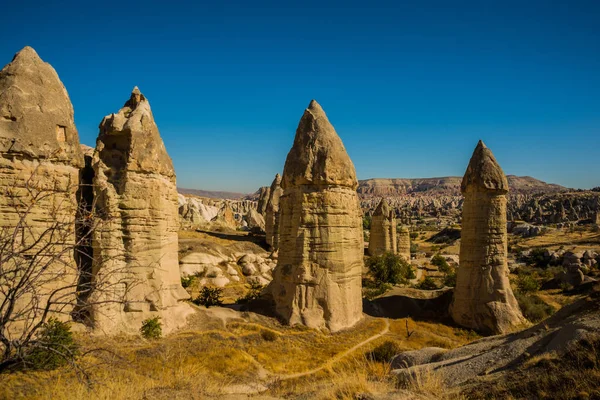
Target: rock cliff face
x=272 y=214
x=263 y=198
x=317 y=281
x=40 y=159
x=382 y=237
x=483 y=299
x=135 y=244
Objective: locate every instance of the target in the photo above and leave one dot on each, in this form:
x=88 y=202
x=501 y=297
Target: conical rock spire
x=36 y=114
x=318 y=156
x=484 y=172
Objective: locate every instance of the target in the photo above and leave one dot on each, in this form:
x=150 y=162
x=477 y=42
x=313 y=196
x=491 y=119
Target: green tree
x=390 y=268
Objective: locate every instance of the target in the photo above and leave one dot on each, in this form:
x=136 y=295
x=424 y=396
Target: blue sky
x=409 y=86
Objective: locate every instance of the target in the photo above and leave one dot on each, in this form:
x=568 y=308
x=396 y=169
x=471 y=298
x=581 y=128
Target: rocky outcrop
x=483 y=299
x=272 y=214
x=264 y=193
x=404 y=243
x=193 y=212
x=40 y=159
x=317 y=281
x=255 y=221
x=135 y=244
x=382 y=236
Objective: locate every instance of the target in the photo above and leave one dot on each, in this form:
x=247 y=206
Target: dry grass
x=209 y=359
x=553 y=239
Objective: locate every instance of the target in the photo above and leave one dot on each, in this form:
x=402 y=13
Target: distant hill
x=212 y=194
x=449 y=185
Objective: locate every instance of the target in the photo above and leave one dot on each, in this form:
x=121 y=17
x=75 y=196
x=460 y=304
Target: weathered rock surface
x=483 y=299
x=382 y=237
x=272 y=213
x=317 y=281
x=255 y=221
x=135 y=244
x=193 y=212
x=40 y=159
x=489 y=359
x=404 y=243
x=264 y=193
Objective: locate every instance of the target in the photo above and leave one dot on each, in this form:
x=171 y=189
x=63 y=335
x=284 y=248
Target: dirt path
x=264 y=373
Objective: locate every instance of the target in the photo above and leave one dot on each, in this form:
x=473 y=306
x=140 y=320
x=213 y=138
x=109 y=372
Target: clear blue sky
x=409 y=86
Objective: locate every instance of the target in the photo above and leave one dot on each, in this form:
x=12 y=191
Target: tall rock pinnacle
x=382 y=237
x=317 y=281
x=483 y=299
x=135 y=241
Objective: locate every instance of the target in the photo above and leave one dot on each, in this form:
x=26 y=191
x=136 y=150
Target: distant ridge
x=212 y=194
x=446 y=185
x=449 y=185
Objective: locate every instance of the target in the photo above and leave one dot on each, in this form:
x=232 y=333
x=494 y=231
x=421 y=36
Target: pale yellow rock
x=135 y=244
x=39 y=172
x=382 y=237
x=404 y=243
x=317 y=281
x=272 y=213
x=483 y=299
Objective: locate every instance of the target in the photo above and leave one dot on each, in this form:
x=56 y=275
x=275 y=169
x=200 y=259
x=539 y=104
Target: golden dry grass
x=208 y=361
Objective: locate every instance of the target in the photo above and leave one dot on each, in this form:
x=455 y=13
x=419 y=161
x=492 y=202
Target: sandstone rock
x=272 y=214
x=404 y=243
x=573 y=269
x=382 y=238
x=317 y=281
x=263 y=197
x=40 y=157
x=411 y=358
x=136 y=238
x=483 y=299
x=256 y=222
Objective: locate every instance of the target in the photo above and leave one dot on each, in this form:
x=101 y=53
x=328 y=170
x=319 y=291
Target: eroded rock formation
x=483 y=299
x=382 y=237
x=40 y=159
x=272 y=214
x=404 y=243
x=317 y=281
x=135 y=244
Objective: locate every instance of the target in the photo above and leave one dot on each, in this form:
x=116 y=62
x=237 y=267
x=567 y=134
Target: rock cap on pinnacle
x=318 y=156
x=383 y=209
x=140 y=140
x=484 y=172
x=36 y=114
x=276 y=182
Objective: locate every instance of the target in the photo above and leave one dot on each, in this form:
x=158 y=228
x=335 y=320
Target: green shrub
x=268 y=336
x=414 y=235
x=209 y=296
x=414 y=248
x=440 y=262
x=367 y=222
x=375 y=289
x=187 y=281
x=450 y=279
x=390 y=268
x=54 y=347
x=427 y=284
x=528 y=283
x=151 y=328
x=254 y=292
x=533 y=308
x=384 y=352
